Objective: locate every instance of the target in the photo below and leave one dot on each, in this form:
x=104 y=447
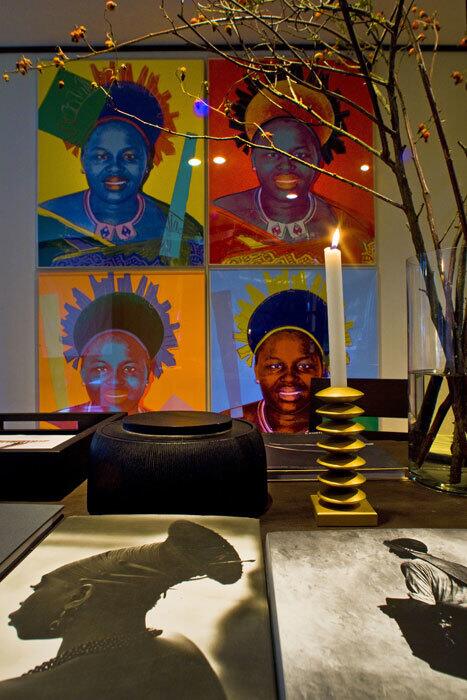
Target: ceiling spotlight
x=292 y=196
x=219 y=160
x=364 y=168
x=194 y=162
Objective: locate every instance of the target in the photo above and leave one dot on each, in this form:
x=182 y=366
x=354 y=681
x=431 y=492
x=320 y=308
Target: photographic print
x=121 y=341
x=265 y=207
x=31 y=442
x=269 y=339
x=114 y=188
x=369 y=613
x=139 y=607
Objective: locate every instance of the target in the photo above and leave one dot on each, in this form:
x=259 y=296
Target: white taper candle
x=335 y=308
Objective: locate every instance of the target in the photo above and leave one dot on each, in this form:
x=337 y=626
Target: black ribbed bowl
x=185 y=462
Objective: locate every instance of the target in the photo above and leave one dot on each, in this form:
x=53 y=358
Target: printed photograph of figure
x=136 y=607
x=114 y=187
x=366 y=614
x=265 y=207
x=269 y=340
x=121 y=342
x=433 y=619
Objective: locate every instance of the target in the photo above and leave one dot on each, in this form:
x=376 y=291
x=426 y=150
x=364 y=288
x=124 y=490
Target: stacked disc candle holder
x=339 y=500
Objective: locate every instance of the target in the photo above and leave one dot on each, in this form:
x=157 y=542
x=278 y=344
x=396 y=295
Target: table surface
x=400 y=503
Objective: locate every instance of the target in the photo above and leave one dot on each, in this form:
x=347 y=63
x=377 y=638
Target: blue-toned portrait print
x=269 y=341
x=120 y=145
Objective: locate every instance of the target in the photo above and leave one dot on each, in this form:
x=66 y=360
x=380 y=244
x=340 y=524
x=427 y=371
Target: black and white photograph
x=138 y=607
x=369 y=614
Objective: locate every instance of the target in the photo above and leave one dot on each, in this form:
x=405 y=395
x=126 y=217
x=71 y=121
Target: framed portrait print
x=121 y=341
x=116 y=185
x=267 y=208
x=269 y=341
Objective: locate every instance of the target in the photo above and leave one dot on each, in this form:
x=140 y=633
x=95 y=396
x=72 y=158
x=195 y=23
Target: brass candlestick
x=339 y=501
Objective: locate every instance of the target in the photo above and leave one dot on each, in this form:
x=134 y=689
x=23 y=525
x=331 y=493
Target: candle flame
x=335 y=238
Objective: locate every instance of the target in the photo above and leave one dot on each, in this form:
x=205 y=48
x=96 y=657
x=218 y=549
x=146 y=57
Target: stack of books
x=293 y=457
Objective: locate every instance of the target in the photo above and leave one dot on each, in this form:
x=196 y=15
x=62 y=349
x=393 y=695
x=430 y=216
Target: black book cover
x=22 y=525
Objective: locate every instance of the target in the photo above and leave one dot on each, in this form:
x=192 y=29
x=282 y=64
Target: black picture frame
x=51 y=473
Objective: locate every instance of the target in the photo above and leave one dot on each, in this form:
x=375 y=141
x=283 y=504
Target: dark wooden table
x=399 y=503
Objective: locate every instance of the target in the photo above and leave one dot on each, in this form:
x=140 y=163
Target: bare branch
x=368 y=80
x=441 y=134
x=451 y=224
x=271 y=147
x=294 y=100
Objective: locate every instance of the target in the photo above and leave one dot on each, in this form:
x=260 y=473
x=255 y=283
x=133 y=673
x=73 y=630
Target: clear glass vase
x=437 y=346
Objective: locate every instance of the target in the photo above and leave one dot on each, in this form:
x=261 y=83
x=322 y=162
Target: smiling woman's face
x=278 y=174
x=115 y=161
x=115 y=371
x=285 y=365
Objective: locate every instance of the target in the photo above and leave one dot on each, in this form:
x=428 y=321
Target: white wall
x=17 y=241
x=17 y=237
x=393 y=240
